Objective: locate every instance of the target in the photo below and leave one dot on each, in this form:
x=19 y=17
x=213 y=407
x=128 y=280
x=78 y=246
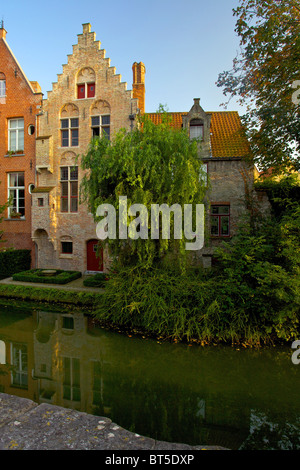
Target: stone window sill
x=15 y=219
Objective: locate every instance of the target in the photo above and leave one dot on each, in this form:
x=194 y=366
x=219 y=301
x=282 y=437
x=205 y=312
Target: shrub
x=98 y=280
x=38 y=275
x=13 y=261
x=52 y=295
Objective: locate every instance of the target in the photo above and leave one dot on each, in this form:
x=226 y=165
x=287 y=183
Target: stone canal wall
x=25 y=425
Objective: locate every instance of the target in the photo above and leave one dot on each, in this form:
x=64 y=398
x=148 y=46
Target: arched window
x=2 y=85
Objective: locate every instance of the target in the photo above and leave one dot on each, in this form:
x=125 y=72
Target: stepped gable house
x=88 y=99
x=20 y=102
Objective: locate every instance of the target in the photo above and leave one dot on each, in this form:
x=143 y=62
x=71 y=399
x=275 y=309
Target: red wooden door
x=94 y=263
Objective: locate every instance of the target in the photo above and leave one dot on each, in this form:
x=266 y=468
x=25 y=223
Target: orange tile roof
x=227 y=136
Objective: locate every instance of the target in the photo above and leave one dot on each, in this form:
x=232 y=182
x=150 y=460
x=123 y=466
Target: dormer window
x=196 y=129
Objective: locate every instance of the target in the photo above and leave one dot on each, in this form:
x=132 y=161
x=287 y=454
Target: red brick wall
x=20 y=102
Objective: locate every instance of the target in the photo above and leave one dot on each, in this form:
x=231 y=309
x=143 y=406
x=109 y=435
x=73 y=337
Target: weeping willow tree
x=152 y=164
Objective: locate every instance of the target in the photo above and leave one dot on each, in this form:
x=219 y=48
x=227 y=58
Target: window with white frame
x=71 y=379
x=16 y=135
x=16 y=194
x=20 y=365
x=69 y=188
x=2 y=88
x=196 y=129
x=101 y=126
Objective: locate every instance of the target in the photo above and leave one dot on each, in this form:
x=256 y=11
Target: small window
x=196 y=129
x=68 y=323
x=220 y=220
x=31 y=129
x=2 y=88
x=67 y=248
x=41 y=202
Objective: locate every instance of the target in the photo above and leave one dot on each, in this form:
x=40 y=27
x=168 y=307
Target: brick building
x=87 y=100
x=223 y=148
x=41 y=141
x=20 y=102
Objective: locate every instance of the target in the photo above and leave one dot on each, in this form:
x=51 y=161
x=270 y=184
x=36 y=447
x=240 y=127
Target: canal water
x=228 y=396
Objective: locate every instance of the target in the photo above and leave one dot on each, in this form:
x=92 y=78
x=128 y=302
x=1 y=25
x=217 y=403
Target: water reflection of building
x=66 y=360
x=17 y=355
x=163 y=391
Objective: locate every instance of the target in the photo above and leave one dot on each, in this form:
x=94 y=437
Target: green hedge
x=98 y=280
x=36 y=275
x=14 y=261
x=51 y=295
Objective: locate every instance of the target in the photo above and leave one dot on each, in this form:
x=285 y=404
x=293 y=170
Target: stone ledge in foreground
x=25 y=425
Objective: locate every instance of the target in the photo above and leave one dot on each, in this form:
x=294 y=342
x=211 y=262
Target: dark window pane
x=65 y=138
x=67 y=247
x=20 y=179
x=68 y=323
x=214 y=225
x=224 y=225
x=64 y=123
x=74 y=205
x=64 y=173
x=74 y=122
x=105 y=120
x=74 y=172
x=74 y=188
x=75 y=137
x=64 y=189
x=220 y=210
x=95 y=121
x=64 y=205
x=106 y=132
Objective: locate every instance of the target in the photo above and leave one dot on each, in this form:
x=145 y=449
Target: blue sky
x=183 y=44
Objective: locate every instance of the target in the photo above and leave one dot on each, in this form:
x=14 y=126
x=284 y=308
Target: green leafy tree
x=152 y=164
x=266 y=79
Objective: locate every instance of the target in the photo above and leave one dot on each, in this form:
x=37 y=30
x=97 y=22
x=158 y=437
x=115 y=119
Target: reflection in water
x=246 y=399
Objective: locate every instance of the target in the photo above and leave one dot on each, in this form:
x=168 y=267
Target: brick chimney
x=2 y=31
x=138 y=85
